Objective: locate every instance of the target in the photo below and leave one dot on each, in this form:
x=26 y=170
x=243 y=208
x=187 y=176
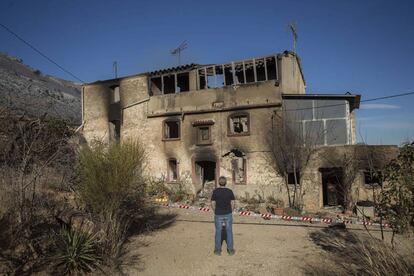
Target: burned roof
x=185 y=67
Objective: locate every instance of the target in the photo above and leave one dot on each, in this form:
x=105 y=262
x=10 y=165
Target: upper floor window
x=170 y=83
x=171 y=129
x=239 y=124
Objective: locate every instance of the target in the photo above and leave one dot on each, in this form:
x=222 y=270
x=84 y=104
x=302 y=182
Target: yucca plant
x=76 y=252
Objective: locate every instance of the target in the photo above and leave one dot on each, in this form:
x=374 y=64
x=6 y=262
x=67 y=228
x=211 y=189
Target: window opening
x=169 y=84
x=202 y=78
x=271 y=68
x=260 y=70
x=172 y=170
x=291 y=178
x=239 y=124
x=183 y=82
x=239 y=73
x=156 y=86
x=171 y=129
x=372 y=179
x=228 y=74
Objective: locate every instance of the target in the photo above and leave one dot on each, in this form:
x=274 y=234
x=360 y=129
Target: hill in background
x=25 y=90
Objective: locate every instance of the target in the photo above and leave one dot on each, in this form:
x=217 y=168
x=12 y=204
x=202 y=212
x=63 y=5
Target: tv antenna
x=293 y=29
x=115 y=66
x=177 y=51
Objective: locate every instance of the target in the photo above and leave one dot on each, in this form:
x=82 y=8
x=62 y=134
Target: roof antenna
x=177 y=51
x=293 y=29
x=115 y=67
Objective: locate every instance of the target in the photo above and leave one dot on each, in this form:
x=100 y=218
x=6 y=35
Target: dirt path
x=186 y=248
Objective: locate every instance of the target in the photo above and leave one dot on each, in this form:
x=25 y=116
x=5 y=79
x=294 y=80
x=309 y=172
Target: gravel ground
x=185 y=247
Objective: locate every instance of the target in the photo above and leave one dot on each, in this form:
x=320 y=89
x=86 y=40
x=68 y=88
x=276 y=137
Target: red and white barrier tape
x=269 y=216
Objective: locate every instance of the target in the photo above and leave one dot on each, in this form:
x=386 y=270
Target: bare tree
x=291 y=151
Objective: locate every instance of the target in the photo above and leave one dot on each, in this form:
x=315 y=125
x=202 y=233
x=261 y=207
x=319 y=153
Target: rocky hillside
x=27 y=91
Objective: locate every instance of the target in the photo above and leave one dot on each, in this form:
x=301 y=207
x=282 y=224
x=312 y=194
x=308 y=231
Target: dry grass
x=359 y=255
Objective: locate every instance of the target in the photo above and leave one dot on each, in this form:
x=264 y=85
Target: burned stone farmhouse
x=199 y=122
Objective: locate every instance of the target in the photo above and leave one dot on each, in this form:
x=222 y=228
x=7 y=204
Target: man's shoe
x=231 y=252
x=217 y=252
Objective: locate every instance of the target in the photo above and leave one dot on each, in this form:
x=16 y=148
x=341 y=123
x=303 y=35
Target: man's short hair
x=222 y=181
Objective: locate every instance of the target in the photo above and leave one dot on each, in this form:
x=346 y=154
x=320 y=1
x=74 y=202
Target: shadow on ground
x=150 y=223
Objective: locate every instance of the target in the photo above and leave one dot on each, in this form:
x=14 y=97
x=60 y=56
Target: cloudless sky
x=361 y=46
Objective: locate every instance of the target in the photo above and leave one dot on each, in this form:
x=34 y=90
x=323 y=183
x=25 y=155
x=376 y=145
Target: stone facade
x=203 y=130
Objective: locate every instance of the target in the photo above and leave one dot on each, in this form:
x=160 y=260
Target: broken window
x=260 y=69
x=271 y=68
x=172 y=174
x=293 y=178
x=202 y=78
x=156 y=86
x=249 y=71
x=239 y=73
x=183 y=82
x=239 y=170
x=169 y=84
x=114 y=97
x=171 y=129
x=228 y=74
x=372 y=179
x=211 y=78
x=219 y=76
x=239 y=124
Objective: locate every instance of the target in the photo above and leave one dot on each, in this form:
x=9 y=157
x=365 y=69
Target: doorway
x=332 y=187
x=205 y=172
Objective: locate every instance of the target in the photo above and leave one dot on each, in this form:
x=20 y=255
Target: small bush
x=76 y=252
x=156 y=187
x=108 y=175
x=178 y=193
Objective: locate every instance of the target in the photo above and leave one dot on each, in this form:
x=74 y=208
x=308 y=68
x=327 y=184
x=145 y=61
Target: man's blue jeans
x=228 y=221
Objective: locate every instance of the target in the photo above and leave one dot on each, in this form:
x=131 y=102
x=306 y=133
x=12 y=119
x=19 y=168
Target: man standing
x=222 y=202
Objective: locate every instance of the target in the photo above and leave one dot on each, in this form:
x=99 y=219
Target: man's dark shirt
x=223 y=198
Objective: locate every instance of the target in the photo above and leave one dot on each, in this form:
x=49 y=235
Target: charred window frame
x=170 y=83
x=240 y=72
x=238 y=124
x=171 y=129
x=172 y=170
x=239 y=170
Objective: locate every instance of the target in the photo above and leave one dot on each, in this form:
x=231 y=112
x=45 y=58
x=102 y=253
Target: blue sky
x=361 y=46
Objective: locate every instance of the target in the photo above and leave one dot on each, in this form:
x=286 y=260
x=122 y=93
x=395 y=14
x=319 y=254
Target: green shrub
x=76 y=252
x=110 y=174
